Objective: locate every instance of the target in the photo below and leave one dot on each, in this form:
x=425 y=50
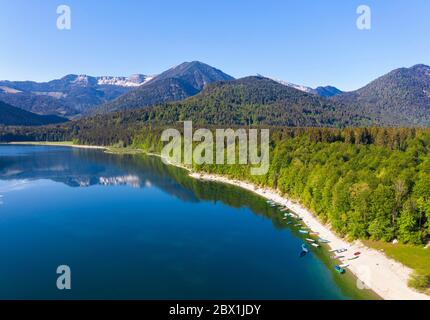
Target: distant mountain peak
x=327 y=91
x=176 y=83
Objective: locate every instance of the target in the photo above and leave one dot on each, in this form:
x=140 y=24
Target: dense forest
x=367 y=183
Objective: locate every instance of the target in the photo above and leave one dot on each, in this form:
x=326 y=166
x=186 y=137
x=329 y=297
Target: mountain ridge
x=12 y=116
x=398 y=98
x=177 y=83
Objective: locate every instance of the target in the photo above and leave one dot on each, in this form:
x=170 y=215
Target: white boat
x=316 y=245
x=310 y=240
x=337 y=257
x=345 y=265
x=341 y=250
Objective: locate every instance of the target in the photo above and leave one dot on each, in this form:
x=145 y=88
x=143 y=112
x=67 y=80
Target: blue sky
x=310 y=42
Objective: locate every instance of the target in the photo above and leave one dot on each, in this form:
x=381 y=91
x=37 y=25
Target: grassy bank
x=414 y=257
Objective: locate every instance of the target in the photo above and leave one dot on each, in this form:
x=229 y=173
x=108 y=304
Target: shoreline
x=384 y=276
x=56 y=144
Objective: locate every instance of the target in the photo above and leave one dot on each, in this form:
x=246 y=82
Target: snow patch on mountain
x=295 y=86
x=9 y=90
x=134 y=80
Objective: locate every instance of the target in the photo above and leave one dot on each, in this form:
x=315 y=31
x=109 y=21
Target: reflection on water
x=85 y=167
x=132 y=227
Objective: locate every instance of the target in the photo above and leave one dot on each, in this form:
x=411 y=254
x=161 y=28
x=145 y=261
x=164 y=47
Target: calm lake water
x=130 y=227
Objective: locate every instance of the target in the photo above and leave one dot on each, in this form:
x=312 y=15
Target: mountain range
x=200 y=92
x=69 y=96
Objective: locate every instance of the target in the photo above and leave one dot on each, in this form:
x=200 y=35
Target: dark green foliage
x=419 y=281
x=14 y=116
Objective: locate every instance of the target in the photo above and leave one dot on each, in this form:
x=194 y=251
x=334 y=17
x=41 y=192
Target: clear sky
x=309 y=42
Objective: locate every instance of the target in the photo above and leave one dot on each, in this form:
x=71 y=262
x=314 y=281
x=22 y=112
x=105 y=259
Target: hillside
x=399 y=98
x=12 y=116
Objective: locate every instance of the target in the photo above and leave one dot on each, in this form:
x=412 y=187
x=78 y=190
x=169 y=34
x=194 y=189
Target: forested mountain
x=175 y=84
x=69 y=96
x=399 y=98
x=247 y=101
x=10 y=115
x=327 y=91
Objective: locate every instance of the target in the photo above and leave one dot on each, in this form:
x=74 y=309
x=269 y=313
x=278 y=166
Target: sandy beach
x=374 y=270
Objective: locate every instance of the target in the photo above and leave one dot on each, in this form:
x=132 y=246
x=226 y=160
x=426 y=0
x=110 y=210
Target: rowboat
x=303 y=231
x=323 y=240
x=316 y=245
x=337 y=257
x=353 y=258
x=341 y=250
x=345 y=265
x=305 y=248
x=339 y=269
x=357 y=253
x=310 y=240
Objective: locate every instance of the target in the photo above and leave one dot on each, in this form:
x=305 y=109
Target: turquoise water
x=130 y=227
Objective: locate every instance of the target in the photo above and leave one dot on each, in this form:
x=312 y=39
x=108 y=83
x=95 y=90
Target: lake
x=130 y=227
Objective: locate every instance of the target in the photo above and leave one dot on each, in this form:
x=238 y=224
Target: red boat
x=357 y=253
